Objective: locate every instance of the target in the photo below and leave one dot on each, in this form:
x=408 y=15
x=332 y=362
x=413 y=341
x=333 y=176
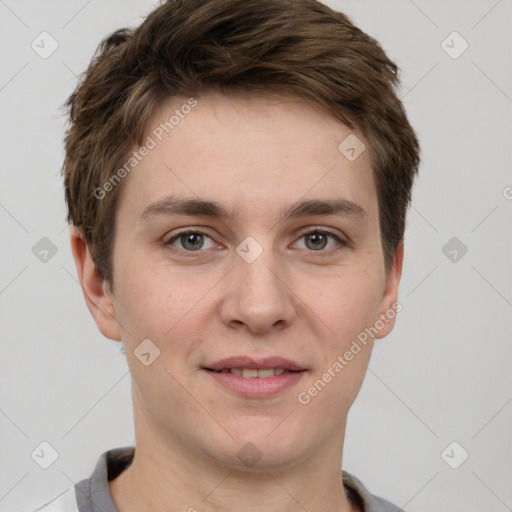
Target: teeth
x=251 y=373
x=266 y=373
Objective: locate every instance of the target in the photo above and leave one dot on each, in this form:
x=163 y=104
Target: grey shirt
x=93 y=495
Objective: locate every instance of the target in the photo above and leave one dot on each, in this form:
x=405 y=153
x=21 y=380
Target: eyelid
x=321 y=229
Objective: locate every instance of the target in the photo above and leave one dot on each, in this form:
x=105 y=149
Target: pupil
x=192 y=241
x=318 y=237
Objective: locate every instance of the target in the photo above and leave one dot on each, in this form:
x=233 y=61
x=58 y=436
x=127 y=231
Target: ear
x=98 y=297
x=390 y=305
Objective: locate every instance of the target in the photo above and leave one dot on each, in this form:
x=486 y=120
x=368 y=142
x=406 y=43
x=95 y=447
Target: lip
x=256 y=387
x=255 y=363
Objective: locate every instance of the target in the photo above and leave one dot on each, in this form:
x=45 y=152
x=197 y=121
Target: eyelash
x=175 y=237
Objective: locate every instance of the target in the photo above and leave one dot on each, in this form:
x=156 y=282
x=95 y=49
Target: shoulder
x=364 y=499
x=93 y=494
x=64 y=502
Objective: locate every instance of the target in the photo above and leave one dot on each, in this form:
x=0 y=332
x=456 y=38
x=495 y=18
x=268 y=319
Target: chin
x=265 y=448
x=251 y=459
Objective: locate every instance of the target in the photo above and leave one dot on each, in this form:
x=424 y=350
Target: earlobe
x=98 y=297
x=389 y=304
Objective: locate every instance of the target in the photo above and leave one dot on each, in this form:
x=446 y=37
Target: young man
x=237 y=176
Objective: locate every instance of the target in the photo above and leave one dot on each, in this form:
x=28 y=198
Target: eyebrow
x=198 y=207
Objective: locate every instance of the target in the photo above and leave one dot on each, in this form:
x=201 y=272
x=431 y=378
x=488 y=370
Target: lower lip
x=256 y=387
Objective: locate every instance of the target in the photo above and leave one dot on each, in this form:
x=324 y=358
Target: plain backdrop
x=438 y=388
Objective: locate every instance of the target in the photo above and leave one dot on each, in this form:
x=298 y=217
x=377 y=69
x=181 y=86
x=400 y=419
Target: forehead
x=248 y=152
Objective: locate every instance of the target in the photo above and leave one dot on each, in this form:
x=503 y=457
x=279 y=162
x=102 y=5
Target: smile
x=253 y=373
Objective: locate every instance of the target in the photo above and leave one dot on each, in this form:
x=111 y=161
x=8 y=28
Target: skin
x=258 y=156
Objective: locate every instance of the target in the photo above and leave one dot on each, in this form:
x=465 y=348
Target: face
x=248 y=252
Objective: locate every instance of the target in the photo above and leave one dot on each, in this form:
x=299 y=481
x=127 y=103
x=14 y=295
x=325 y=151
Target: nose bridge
x=259 y=296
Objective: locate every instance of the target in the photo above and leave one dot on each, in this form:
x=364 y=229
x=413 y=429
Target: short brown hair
x=189 y=47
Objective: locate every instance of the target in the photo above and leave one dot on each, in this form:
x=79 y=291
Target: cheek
x=151 y=300
x=346 y=304
x=163 y=309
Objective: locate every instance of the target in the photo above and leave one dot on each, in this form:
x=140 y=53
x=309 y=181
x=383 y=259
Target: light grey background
x=443 y=375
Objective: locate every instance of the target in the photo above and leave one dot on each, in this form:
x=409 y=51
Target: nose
x=257 y=296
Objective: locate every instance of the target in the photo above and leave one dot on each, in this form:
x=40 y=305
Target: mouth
x=255 y=378
x=254 y=373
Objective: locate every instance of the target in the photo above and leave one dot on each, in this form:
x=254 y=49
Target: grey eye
x=318 y=240
x=191 y=241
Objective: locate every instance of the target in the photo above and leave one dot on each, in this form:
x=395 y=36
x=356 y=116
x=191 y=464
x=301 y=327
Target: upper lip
x=255 y=363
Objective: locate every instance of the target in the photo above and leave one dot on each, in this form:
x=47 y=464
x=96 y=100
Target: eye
x=315 y=240
x=318 y=240
x=191 y=241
